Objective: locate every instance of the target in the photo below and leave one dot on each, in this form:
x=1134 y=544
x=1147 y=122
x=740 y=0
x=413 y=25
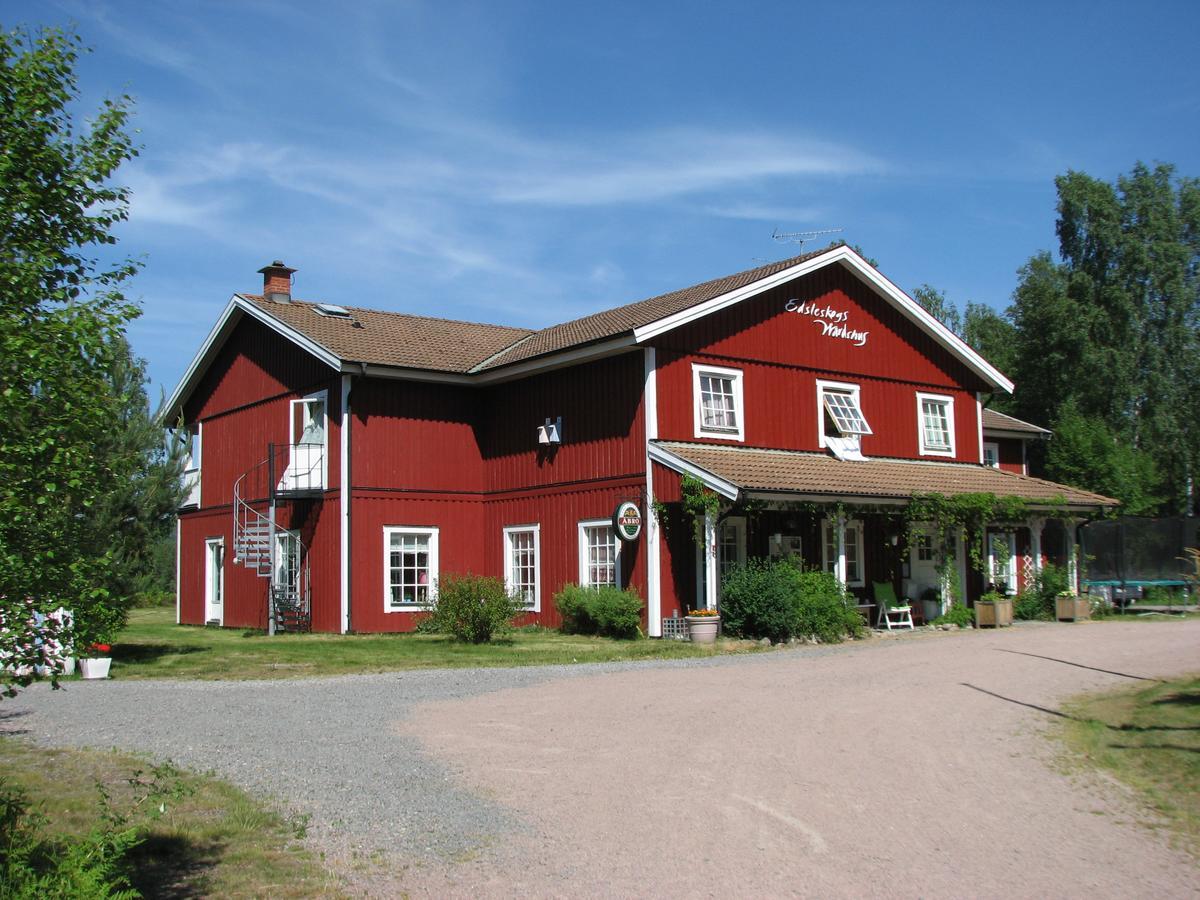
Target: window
x=599 y=555
x=410 y=567
x=936 y=425
x=521 y=547
x=924 y=546
x=307 y=436
x=853 y=550
x=717 y=395
x=841 y=414
x=991 y=454
x=731 y=545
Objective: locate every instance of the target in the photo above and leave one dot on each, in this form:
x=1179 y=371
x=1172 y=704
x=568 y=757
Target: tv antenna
x=799 y=237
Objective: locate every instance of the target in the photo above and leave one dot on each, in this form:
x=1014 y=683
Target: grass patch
x=214 y=842
x=153 y=646
x=1148 y=738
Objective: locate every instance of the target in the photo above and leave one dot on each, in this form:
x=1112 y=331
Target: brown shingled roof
x=623 y=319
x=396 y=339
x=804 y=473
x=998 y=421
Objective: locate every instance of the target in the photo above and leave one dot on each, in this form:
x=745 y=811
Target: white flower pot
x=95 y=668
x=703 y=629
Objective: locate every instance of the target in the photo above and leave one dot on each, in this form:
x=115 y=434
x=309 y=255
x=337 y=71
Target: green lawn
x=153 y=646
x=215 y=841
x=1149 y=738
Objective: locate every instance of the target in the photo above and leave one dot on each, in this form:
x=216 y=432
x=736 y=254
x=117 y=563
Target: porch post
x=839 y=531
x=1036 y=524
x=710 y=561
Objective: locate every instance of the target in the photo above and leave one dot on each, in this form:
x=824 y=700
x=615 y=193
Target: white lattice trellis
x=674 y=630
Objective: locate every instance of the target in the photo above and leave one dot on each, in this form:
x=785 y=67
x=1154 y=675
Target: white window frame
x=430 y=531
x=739 y=410
x=510 y=581
x=842 y=387
x=214 y=579
x=584 y=568
x=293 y=438
x=1010 y=577
x=948 y=401
x=994 y=446
x=852 y=525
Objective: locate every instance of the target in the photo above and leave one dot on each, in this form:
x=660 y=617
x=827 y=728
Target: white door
x=306 y=462
x=1002 y=559
x=922 y=564
x=287 y=563
x=214 y=580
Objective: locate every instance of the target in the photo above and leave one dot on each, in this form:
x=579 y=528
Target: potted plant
x=931 y=603
x=993 y=610
x=95 y=630
x=1070 y=608
x=703 y=625
x=97 y=661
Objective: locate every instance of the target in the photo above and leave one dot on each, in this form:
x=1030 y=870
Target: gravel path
x=896 y=767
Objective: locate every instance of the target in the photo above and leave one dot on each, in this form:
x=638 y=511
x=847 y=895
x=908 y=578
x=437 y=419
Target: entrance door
x=1002 y=560
x=214 y=580
x=922 y=565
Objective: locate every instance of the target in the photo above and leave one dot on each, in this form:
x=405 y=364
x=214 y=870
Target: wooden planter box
x=1072 y=609
x=993 y=614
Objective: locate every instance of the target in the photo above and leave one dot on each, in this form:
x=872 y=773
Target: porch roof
x=818 y=475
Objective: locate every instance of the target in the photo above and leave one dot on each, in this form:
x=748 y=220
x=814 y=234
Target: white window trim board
x=434 y=571
x=583 y=558
x=735 y=376
x=935 y=398
x=653 y=555
x=536 y=530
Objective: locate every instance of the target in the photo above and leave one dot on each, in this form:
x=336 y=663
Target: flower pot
x=703 y=629
x=931 y=608
x=96 y=667
x=1069 y=608
x=993 y=613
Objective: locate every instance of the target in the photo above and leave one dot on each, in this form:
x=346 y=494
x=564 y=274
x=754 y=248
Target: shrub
x=958 y=615
x=1037 y=600
x=603 y=611
x=775 y=599
x=758 y=600
x=472 y=608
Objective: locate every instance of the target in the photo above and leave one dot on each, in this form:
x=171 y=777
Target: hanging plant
x=698 y=503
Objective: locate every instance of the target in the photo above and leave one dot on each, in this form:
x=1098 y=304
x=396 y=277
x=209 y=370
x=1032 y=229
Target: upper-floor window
x=190 y=438
x=717 y=398
x=410 y=567
x=599 y=554
x=521 y=546
x=842 y=421
x=936 y=425
x=991 y=454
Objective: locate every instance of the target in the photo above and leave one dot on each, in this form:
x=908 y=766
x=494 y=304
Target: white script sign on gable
x=832 y=322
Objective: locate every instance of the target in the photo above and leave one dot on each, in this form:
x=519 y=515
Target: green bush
x=775 y=599
x=758 y=599
x=472 y=608
x=1037 y=600
x=958 y=615
x=604 y=611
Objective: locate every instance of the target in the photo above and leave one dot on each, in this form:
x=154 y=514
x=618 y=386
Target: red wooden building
x=344 y=459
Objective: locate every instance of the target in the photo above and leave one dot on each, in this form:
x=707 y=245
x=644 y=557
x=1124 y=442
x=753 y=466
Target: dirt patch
x=895 y=768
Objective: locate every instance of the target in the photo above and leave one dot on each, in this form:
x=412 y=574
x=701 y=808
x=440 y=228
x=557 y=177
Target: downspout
x=344 y=503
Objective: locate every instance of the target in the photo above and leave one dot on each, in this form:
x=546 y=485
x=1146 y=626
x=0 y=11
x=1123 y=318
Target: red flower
x=100 y=648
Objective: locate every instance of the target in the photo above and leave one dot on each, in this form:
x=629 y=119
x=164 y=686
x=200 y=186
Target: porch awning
x=821 y=478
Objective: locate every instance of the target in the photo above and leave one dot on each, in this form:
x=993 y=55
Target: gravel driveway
x=911 y=766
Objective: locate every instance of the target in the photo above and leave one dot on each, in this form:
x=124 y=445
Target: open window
x=842 y=421
x=717 y=399
x=936 y=424
x=308 y=439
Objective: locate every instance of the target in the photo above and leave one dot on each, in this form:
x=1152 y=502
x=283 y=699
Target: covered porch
x=934 y=533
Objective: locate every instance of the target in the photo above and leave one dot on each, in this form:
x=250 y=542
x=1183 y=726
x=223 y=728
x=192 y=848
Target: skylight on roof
x=332 y=311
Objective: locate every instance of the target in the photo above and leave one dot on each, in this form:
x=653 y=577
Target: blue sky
x=526 y=163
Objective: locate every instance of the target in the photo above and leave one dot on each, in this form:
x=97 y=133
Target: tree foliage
x=62 y=320
x=1108 y=335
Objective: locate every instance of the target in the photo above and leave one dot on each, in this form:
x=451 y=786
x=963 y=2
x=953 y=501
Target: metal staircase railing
x=256 y=494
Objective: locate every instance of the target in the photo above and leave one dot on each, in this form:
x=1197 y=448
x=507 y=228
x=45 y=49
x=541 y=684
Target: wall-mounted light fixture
x=551 y=432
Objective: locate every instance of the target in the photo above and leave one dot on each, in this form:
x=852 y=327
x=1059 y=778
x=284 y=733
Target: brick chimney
x=277 y=282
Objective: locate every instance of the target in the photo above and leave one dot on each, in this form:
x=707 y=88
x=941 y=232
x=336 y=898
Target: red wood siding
x=783 y=354
x=603 y=431
x=1012 y=453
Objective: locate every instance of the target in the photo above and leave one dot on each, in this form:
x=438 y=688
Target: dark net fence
x=1138 y=552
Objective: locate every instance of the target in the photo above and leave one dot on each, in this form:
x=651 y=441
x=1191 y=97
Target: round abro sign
x=627 y=521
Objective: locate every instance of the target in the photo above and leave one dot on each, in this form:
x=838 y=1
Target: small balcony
x=301 y=468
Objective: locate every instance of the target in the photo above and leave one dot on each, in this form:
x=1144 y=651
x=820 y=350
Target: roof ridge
x=259 y=298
